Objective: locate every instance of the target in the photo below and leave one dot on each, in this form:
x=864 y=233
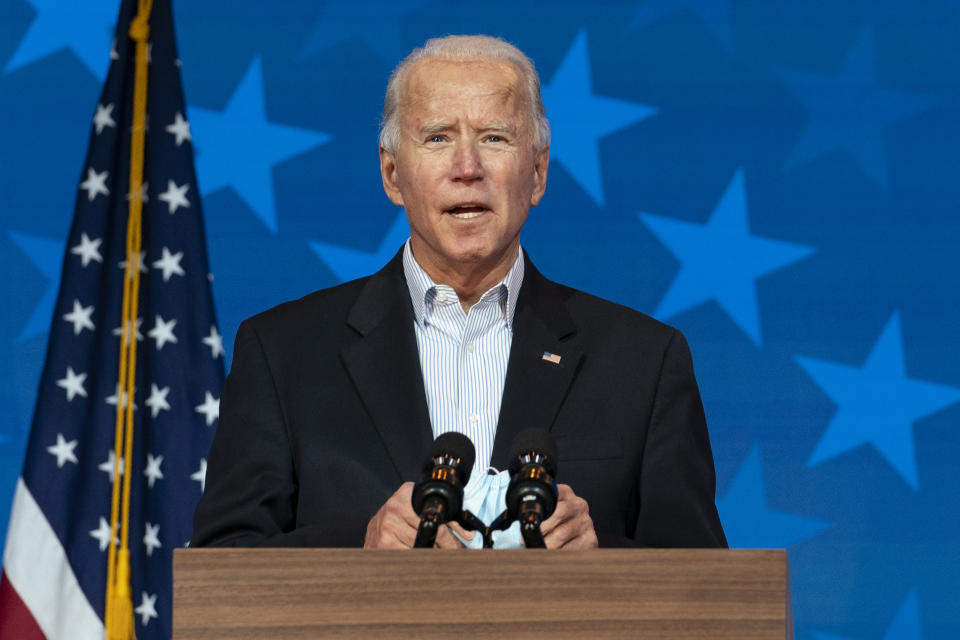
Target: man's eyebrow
x=435 y=127
x=498 y=126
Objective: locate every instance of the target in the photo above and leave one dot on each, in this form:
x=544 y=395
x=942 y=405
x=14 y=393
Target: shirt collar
x=422 y=288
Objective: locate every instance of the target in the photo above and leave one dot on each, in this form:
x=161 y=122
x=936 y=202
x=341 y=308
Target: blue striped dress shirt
x=463 y=356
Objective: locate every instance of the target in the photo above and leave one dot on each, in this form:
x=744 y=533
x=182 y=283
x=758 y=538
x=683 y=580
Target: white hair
x=461 y=49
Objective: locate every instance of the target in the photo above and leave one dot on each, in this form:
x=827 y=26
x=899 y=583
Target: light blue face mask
x=486 y=497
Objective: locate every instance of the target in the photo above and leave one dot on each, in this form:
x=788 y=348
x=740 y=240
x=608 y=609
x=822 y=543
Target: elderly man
x=333 y=399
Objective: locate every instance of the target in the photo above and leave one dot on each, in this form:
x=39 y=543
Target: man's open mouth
x=466 y=211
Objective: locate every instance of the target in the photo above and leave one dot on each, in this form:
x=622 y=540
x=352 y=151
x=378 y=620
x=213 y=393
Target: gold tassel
x=120 y=620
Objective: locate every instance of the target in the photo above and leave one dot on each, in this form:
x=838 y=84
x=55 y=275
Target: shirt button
x=469 y=347
x=441 y=296
x=474 y=418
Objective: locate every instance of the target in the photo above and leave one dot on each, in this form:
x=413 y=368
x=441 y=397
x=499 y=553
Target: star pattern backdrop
x=778 y=179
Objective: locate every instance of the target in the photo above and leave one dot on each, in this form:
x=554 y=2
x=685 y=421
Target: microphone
x=438 y=494
x=532 y=492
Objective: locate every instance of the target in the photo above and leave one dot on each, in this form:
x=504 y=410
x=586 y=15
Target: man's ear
x=540 y=165
x=388 y=172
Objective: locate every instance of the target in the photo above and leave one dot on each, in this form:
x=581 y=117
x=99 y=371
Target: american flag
x=55 y=560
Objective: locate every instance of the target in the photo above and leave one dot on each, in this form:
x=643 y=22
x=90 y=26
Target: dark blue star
x=849 y=111
x=86 y=28
x=238 y=146
x=348 y=264
x=579 y=118
x=876 y=403
x=379 y=29
x=721 y=260
x=746 y=519
x=714 y=14
x=47 y=255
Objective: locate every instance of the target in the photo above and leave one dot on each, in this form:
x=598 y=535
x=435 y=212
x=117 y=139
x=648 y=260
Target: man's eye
x=436 y=139
x=494 y=139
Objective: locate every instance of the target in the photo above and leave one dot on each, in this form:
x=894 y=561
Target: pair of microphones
x=531 y=495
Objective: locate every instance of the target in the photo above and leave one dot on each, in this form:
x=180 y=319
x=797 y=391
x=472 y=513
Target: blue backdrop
x=777 y=179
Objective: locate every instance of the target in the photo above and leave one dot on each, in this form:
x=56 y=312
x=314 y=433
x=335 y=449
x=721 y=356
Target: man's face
x=466 y=169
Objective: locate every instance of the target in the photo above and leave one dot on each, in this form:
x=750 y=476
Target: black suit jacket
x=324 y=415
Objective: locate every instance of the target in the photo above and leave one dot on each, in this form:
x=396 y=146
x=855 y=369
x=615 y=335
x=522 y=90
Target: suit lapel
x=536 y=387
x=385 y=368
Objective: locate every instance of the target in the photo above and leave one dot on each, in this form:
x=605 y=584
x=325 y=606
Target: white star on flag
x=151 y=538
x=200 y=475
x=73 y=384
x=175 y=196
x=109 y=465
x=147 y=608
x=102 y=534
x=157 y=400
x=153 y=471
x=210 y=408
x=180 y=128
x=64 y=451
x=95 y=183
x=170 y=264
x=126 y=334
x=112 y=400
x=104 y=117
x=162 y=332
x=88 y=249
x=141 y=262
x=143 y=193
x=80 y=317
x=215 y=342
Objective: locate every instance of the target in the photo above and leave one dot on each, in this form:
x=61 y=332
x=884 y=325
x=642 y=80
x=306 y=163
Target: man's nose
x=467 y=165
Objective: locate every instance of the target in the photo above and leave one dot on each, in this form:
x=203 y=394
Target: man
x=333 y=399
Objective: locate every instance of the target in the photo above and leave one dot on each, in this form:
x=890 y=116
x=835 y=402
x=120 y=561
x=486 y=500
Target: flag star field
x=780 y=180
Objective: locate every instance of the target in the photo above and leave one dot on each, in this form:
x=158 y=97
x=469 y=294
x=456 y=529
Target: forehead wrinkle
x=421 y=94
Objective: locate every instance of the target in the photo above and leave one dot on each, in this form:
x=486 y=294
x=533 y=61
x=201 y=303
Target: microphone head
x=533 y=442
x=456 y=446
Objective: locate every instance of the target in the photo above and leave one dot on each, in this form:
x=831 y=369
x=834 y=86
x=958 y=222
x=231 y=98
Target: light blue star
x=849 y=111
x=714 y=14
x=381 y=30
x=238 y=147
x=579 y=118
x=746 y=519
x=876 y=403
x=86 y=28
x=906 y=624
x=348 y=264
x=47 y=255
x=721 y=260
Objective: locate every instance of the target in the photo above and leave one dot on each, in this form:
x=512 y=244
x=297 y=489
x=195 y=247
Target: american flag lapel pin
x=551 y=357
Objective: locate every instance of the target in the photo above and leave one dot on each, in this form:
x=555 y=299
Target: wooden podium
x=605 y=593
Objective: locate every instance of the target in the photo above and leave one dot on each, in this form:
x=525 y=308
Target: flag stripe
x=38 y=570
x=18 y=623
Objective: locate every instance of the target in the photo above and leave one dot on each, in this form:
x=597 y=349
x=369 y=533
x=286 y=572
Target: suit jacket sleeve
x=252 y=490
x=677 y=479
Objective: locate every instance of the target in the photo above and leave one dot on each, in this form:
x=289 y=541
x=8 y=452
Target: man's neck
x=470 y=280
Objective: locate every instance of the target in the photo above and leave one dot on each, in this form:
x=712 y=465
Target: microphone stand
x=530 y=529
x=430 y=523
